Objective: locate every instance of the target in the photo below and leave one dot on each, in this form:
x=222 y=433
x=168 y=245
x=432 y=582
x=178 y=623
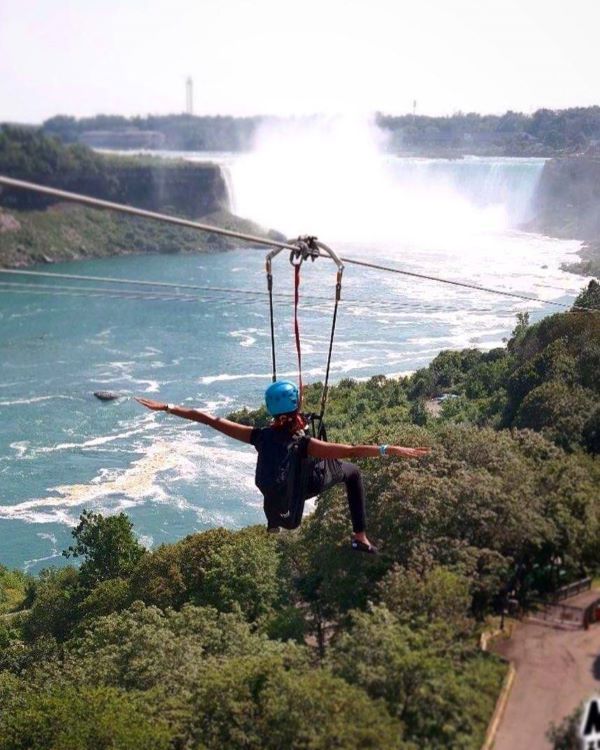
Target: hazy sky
x=83 y=57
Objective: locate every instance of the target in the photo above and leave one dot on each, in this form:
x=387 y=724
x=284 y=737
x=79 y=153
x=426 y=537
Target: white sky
x=82 y=57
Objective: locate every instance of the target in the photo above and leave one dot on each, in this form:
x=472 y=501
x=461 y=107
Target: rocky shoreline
x=65 y=232
x=589 y=263
x=567 y=206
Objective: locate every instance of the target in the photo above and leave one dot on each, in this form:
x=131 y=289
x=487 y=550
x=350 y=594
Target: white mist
x=333 y=177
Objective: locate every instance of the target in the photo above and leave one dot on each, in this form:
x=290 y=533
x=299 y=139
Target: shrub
x=54 y=611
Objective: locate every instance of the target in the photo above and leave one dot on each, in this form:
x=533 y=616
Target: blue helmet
x=282 y=397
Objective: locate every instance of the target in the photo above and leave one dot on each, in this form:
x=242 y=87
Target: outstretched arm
x=234 y=430
x=321 y=449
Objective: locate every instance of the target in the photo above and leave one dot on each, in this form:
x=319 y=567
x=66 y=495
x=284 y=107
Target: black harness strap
x=338 y=294
x=270 y=285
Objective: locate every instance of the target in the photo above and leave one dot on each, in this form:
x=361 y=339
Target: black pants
x=342 y=472
x=355 y=491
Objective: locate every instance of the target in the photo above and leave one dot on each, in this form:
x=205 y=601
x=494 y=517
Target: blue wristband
x=383 y=449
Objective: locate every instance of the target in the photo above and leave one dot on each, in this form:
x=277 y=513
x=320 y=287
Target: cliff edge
x=36 y=228
x=567 y=205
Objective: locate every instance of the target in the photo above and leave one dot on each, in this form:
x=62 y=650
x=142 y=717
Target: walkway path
x=556 y=670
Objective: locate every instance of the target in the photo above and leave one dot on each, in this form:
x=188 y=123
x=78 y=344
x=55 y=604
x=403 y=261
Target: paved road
x=556 y=670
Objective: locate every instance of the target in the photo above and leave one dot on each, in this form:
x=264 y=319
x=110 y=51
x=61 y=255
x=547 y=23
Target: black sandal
x=359 y=546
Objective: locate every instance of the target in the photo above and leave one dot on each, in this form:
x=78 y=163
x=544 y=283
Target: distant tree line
x=545 y=132
x=180 y=132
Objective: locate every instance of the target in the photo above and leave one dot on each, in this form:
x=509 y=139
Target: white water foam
x=146 y=540
x=34 y=400
x=28 y=564
x=247 y=336
x=211 y=405
x=148 y=423
x=151 y=478
x=124 y=373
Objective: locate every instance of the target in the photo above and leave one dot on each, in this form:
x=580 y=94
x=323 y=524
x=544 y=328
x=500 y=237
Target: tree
x=566 y=736
x=559 y=410
x=81 y=718
x=226 y=569
x=589 y=297
x=436 y=594
x=591 y=432
x=243 y=574
x=260 y=704
x=158 y=577
x=14 y=585
x=144 y=648
x=410 y=669
x=108 y=596
x=108 y=546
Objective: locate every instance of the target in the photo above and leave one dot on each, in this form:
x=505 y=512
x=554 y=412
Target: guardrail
x=560 y=613
x=552 y=609
x=571 y=589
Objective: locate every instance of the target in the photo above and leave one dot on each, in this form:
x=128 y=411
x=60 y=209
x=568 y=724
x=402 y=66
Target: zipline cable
x=313 y=300
x=167 y=284
x=464 y=284
x=352 y=306
x=7 y=286
x=127 y=293
x=255 y=240
x=132 y=211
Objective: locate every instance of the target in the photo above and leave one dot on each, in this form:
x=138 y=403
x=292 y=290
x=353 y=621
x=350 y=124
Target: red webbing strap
x=297 y=327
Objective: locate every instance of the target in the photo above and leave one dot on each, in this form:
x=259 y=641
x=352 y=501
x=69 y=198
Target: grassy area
x=13 y=589
x=69 y=232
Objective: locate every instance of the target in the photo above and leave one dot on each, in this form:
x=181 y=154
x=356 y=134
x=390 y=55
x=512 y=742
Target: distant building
x=189 y=96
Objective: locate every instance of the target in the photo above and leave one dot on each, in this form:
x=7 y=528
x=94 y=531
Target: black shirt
x=273 y=447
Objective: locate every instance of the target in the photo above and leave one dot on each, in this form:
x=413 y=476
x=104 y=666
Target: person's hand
x=398 y=450
x=150 y=404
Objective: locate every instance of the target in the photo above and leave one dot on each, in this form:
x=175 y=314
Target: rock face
x=567 y=201
x=193 y=190
x=8 y=223
x=190 y=189
x=36 y=228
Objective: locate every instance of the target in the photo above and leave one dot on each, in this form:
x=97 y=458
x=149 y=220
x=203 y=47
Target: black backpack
x=297 y=478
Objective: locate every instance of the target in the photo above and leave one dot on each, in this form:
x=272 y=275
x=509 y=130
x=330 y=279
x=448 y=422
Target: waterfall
x=225 y=168
x=335 y=178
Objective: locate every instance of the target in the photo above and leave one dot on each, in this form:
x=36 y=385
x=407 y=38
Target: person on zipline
x=273 y=445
